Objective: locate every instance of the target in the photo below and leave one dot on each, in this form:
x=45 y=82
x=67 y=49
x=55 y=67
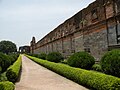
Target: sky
x=20 y=20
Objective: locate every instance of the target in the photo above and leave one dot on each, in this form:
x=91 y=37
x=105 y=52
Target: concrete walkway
x=36 y=77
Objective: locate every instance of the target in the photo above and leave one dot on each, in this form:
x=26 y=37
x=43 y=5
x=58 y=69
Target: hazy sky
x=20 y=20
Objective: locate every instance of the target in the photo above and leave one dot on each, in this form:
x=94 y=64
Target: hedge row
x=6 y=85
x=14 y=70
x=91 y=79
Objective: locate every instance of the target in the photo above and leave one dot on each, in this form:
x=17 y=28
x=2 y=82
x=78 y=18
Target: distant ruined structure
x=95 y=29
x=24 y=49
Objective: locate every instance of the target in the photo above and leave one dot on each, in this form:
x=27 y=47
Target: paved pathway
x=36 y=77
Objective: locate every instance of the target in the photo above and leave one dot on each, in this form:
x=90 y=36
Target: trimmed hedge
x=110 y=63
x=82 y=60
x=6 y=61
x=6 y=85
x=87 y=78
x=14 y=70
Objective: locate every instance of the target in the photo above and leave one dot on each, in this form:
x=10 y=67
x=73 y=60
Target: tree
x=7 y=47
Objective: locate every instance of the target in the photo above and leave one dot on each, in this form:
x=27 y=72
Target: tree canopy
x=7 y=47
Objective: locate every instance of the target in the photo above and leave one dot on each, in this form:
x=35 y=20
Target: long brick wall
x=93 y=29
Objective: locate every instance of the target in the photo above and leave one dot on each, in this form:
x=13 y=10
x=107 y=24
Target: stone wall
x=78 y=42
x=96 y=43
x=93 y=29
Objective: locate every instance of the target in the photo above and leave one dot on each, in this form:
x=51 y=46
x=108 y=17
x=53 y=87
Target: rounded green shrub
x=82 y=60
x=13 y=57
x=54 y=57
x=42 y=56
x=97 y=67
x=35 y=55
x=12 y=76
x=30 y=54
x=5 y=62
x=110 y=63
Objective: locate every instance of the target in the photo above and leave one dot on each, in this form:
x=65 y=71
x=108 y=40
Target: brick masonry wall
x=78 y=42
x=97 y=43
x=93 y=29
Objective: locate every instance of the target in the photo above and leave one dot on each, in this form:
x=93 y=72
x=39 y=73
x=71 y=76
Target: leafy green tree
x=7 y=47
